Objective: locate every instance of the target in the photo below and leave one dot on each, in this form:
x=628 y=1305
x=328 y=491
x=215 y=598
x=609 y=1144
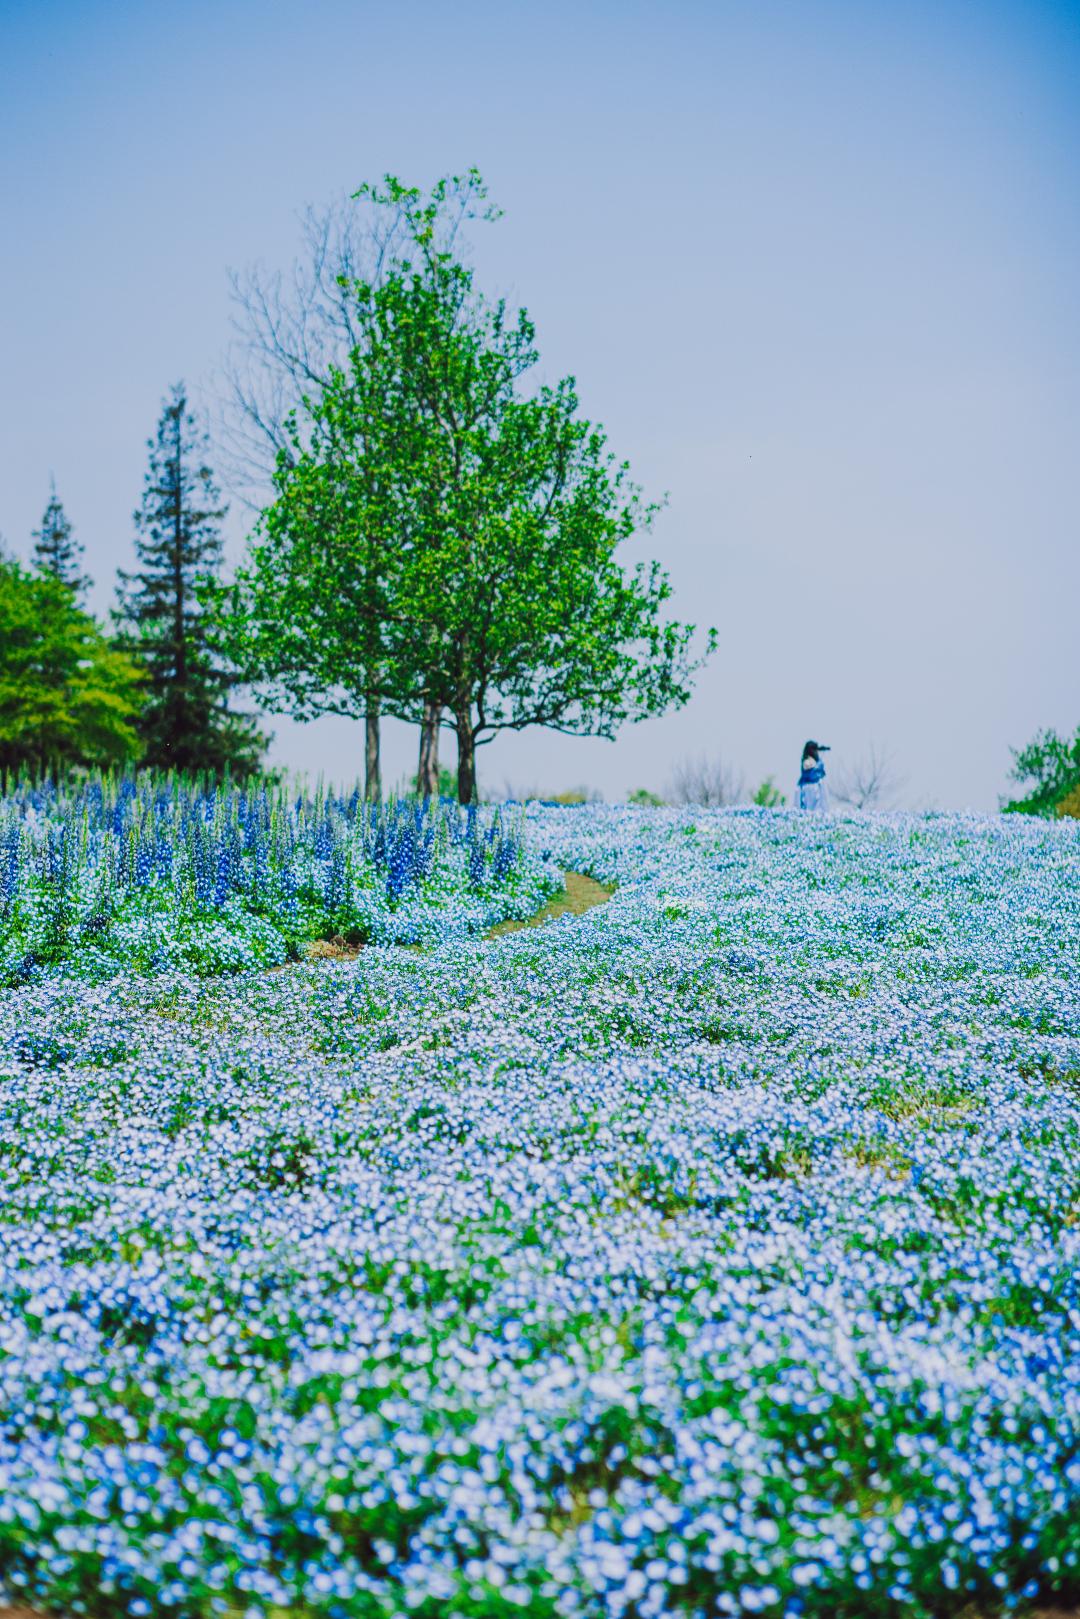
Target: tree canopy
x=444 y=540
x=1049 y=768
x=56 y=550
x=66 y=696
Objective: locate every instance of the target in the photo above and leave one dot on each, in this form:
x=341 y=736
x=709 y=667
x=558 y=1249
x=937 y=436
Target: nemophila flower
x=713 y=1252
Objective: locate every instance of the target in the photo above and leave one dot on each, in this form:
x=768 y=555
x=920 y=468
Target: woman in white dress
x=813 y=793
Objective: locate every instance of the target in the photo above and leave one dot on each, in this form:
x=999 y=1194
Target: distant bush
x=574 y=795
x=768 y=795
x=643 y=797
x=447 y=784
x=1050 y=767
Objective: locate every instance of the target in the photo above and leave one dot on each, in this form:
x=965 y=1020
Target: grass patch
x=580 y=894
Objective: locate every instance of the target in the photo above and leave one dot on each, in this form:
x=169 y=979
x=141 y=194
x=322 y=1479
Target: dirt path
x=580 y=895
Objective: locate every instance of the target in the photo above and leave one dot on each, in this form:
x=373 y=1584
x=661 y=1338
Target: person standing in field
x=813 y=793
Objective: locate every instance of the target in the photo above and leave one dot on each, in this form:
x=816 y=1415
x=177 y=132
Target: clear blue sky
x=814 y=265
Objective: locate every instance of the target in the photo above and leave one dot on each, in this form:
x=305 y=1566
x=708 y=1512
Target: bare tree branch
x=290 y=331
x=707 y=781
x=871 y=782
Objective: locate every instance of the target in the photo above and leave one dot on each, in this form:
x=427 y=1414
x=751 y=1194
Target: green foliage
x=441 y=540
x=1050 y=767
x=644 y=798
x=66 y=696
x=446 y=789
x=769 y=795
x=185 y=723
x=56 y=551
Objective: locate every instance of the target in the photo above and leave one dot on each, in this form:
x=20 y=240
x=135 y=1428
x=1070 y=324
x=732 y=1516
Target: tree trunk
x=372 y=768
x=427 y=775
x=466 y=764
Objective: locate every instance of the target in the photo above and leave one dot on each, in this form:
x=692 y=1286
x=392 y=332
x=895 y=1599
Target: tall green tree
x=293 y=334
x=522 y=611
x=56 y=550
x=66 y=696
x=186 y=723
x=315 y=617
x=448 y=540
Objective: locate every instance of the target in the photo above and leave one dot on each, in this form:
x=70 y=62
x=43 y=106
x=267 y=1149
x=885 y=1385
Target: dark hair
x=810 y=751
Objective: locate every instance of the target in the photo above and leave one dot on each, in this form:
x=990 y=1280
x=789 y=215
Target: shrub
x=1050 y=766
x=768 y=795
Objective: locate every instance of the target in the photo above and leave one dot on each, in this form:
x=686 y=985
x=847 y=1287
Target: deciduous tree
x=66 y=696
x=317 y=617
x=707 y=780
x=871 y=782
x=446 y=541
x=294 y=333
x=517 y=510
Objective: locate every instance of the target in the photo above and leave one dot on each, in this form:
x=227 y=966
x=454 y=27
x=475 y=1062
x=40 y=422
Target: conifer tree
x=186 y=723
x=56 y=551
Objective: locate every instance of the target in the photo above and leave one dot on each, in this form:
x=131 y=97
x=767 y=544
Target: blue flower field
x=711 y=1253
x=160 y=873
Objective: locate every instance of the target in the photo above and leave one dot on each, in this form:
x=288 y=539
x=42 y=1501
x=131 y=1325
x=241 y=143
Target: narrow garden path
x=580 y=894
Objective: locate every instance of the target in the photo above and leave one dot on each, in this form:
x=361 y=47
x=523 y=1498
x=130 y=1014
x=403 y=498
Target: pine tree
x=186 y=723
x=56 y=550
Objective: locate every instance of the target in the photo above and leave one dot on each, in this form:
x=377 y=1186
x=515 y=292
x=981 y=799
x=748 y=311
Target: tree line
x=150 y=688
x=437 y=536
